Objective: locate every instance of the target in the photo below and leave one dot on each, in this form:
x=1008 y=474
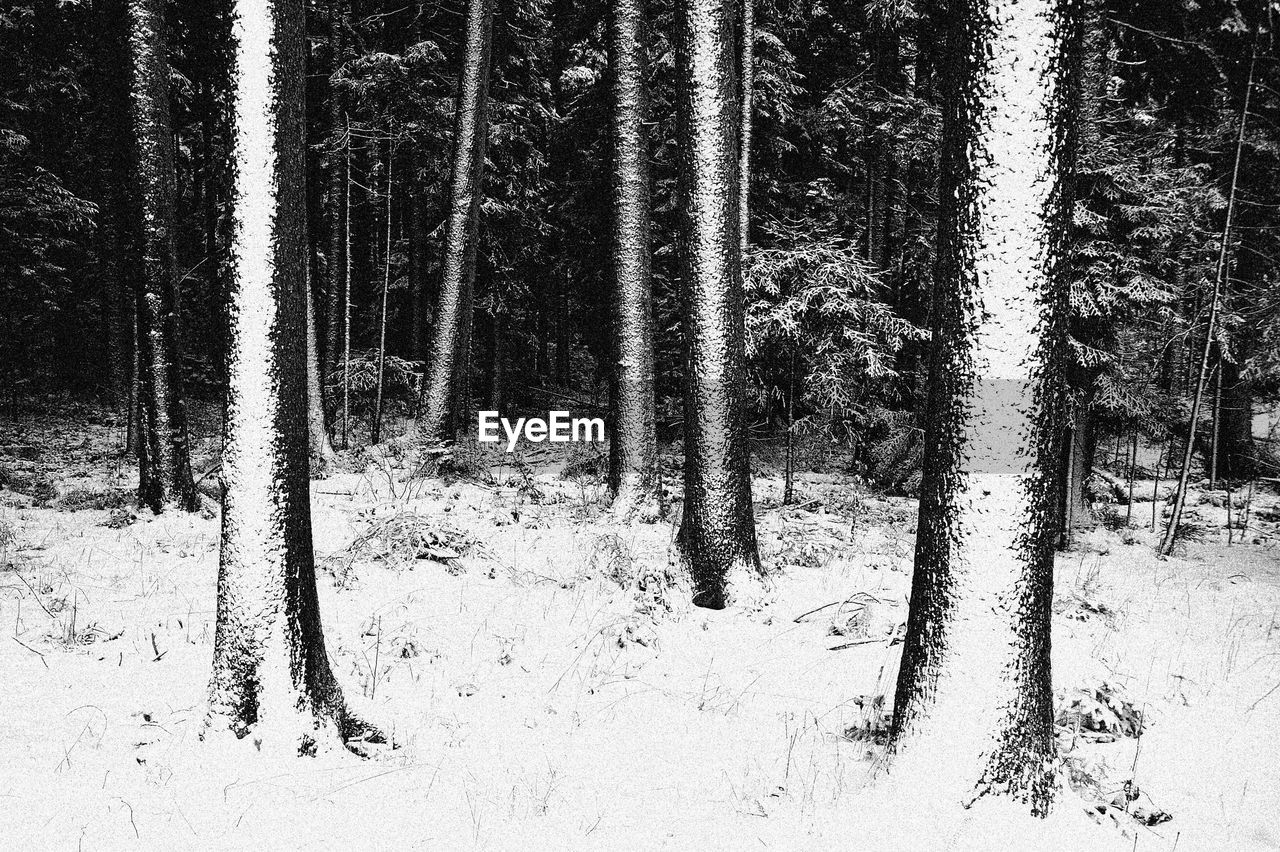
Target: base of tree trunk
x=636 y=500
x=744 y=586
x=280 y=718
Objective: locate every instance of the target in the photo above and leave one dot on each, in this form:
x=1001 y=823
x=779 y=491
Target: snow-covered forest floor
x=548 y=687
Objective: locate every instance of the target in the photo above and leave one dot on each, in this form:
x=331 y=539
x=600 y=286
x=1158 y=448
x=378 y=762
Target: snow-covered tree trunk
x=112 y=132
x=419 y=303
x=336 y=194
x=164 y=467
x=375 y=434
x=271 y=673
x=633 y=448
x=450 y=346
x=1075 y=511
x=717 y=531
x=747 y=86
x=973 y=712
x=319 y=447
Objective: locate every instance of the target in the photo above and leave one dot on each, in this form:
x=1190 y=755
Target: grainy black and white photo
x=640 y=425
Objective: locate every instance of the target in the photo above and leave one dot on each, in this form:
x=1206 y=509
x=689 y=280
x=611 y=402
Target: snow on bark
x=335 y=193
x=633 y=448
x=319 y=447
x=748 y=112
x=164 y=467
x=451 y=343
x=271 y=673
x=974 y=711
x=717 y=531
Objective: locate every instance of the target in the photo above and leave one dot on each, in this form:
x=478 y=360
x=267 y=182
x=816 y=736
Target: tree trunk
x=789 y=467
x=164 y=468
x=450 y=348
x=890 y=77
x=112 y=147
x=319 y=446
x=131 y=440
x=563 y=332
x=717 y=531
x=1216 y=420
x=973 y=713
x=336 y=202
x=498 y=366
x=1077 y=458
x=747 y=112
x=1237 y=453
x=1133 y=470
x=1220 y=281
x=633 y=448
x=376 y=434
x=271 y=673
x=346 y=296
x=418 y=302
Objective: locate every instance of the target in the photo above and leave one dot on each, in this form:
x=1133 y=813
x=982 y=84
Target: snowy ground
x=543 y=697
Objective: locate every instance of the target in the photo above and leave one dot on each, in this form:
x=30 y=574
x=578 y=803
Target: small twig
x=802 y=616
x=32 y=650
x=37 y=597
x=849 y=599
x=1268 y=694
x=854 y=644
x=377 y=650
x=793 y=505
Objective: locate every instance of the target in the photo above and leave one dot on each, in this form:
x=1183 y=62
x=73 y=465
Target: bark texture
x=335 y=201
x=973 y=712
x=748 y=82
x=319 y=446
x=633 y=449
x=271 y=673
x=450 y=347
x=717 y=531
x=164 y=467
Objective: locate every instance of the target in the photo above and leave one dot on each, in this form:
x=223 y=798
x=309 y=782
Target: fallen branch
x=847 y=600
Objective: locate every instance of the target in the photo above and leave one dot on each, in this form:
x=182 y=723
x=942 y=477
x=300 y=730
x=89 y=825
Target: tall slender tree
x=337 y=178
x=271 y=673
x=111 y=142
x=375 y=434
x=717 y=531
x=633 y=449
x=319 y=445
x=164 y=467
x=973 y=713
x=450 y=348
x=747 y=85
x=1221 y=279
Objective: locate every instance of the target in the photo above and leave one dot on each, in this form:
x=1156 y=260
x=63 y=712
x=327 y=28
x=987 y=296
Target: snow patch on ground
x=550 y=688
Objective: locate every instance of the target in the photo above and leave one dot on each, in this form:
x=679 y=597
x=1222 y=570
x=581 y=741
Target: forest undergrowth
x=545 y=683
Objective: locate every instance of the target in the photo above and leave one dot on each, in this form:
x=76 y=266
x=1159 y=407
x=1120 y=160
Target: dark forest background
x=842 y=191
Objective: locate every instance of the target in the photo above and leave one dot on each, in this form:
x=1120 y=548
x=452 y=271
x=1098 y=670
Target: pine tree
x=318 y=444
x=271 y=673
x=164 y=467
x=633 y=456
x=446 y=389
x=973 y=712
x=717 y=531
